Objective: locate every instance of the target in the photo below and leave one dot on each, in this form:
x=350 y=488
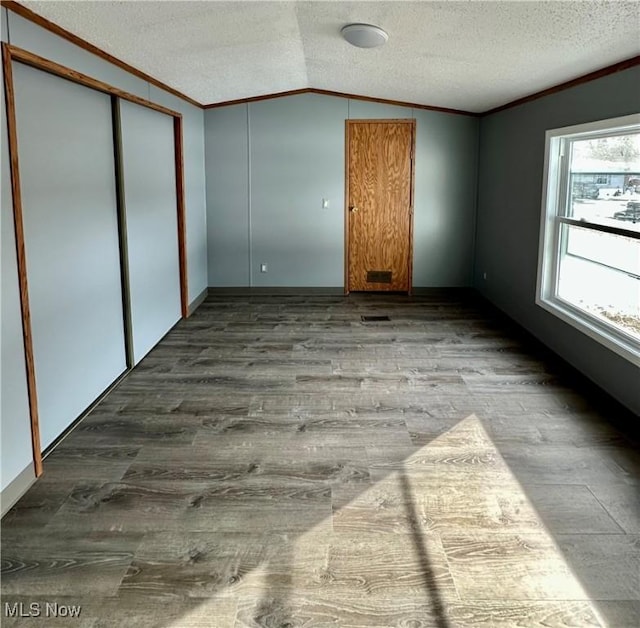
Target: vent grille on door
x=379 y=276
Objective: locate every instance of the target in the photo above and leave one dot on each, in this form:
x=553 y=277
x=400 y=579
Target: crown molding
x=326 y=92
x=585 y=78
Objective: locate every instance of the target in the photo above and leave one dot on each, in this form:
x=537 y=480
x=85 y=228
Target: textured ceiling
x=471 y=55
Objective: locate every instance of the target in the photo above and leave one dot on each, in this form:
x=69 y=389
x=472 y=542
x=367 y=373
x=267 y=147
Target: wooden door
x=379 y=212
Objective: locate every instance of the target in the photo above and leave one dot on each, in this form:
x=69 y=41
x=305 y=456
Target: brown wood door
x=379 y=205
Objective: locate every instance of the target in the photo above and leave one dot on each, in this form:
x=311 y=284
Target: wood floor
x=278 y=462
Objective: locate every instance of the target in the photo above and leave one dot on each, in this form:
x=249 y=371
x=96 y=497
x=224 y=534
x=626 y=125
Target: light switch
x=325 y=203
x=263 y=268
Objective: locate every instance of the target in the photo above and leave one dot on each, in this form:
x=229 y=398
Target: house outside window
x=589 y=257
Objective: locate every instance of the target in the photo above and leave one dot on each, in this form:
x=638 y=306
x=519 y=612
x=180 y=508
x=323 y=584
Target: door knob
x=354 y=209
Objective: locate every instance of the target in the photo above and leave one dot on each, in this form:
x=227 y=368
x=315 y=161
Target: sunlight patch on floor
x=444 y=531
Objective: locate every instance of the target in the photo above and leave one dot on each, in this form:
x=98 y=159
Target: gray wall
x=294 y=150
x=227 y=185
x=445 y=203
x=269 y=165
x=509 y=206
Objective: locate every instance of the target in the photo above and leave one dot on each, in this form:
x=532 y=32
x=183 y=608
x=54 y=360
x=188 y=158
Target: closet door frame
x=12 y=54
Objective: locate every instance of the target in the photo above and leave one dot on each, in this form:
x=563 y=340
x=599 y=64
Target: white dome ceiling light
x=364 y=35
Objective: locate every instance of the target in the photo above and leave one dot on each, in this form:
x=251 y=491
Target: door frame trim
x=347 y=137
x=18 y=226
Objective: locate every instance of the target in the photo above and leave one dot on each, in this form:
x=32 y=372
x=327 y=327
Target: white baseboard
x=195 y=304
x=16 y=489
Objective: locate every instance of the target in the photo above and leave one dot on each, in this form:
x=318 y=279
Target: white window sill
x=592 y=327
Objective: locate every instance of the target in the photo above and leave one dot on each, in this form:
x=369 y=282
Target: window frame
x=554 y=214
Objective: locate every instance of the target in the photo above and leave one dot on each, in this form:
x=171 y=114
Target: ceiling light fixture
x=364 y=35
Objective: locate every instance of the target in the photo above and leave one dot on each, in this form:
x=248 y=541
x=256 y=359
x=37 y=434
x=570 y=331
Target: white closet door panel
x=65 y=142
x=152 y=224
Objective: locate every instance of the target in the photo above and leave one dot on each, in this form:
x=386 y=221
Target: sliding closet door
x=65 y=147
x=148 y=159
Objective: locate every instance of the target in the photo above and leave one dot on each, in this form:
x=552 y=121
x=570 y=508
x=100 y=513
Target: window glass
x=598 y=273
x=604 y=180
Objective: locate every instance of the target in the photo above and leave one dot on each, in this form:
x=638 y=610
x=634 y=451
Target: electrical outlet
x=263 y=268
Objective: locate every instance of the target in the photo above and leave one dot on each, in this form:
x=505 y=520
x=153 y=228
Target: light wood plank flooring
x=277 y=462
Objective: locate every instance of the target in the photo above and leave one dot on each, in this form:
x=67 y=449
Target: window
x=589 y=261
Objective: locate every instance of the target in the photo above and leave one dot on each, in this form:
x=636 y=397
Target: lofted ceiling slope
x=471 y=55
